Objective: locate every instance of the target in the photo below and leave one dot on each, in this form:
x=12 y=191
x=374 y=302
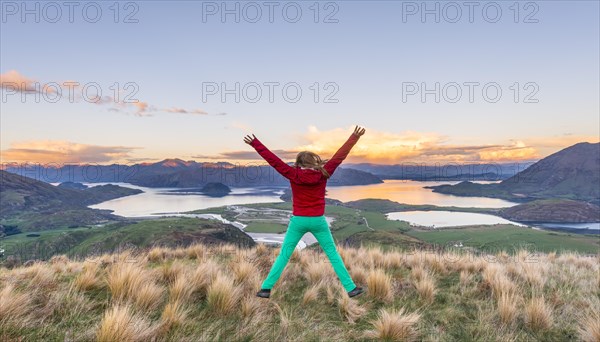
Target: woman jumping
x=308 y=178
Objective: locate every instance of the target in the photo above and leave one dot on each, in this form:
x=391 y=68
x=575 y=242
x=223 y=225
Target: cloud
x=247 y=155
x=410 y=146
x=14 y=81
x=57 y=151
x=185 y=111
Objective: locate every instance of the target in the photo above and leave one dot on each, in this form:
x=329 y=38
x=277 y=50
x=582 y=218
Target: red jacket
x=308 y=185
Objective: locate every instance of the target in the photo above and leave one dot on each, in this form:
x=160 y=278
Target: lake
x=437 y=219
x=157 y=201
x=412 y=192
x=440 y=219
x=173 y=200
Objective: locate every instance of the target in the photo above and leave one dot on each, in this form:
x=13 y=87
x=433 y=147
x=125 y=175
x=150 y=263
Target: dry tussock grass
x=165 y=293
x=392 y=325
x=379 y=285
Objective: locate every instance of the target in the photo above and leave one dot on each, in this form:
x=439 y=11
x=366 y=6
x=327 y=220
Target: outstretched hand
x=358 y=131
x=249 y=139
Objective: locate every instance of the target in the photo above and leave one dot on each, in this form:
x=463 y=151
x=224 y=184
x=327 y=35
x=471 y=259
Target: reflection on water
x=161 y=200
x=589 y=227
x=164 y=200
x=447 y=218
x=412 y=192
x=451 y=219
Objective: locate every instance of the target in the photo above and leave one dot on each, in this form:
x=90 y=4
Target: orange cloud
x=13 y=80
x=185 y=111
x=56 y=151
x=410 y=146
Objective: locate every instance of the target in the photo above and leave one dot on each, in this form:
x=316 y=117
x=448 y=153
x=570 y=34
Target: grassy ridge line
x=82 y=242
x=349 y=227
x=205 y=293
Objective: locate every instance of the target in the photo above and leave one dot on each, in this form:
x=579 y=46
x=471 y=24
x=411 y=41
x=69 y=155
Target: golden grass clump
x=589 y=327
x=123 y=279
x=349 y=309
x=121 y=324
x=130 y=282
x=377 y=257
x=250 y=305
x=37 y=275
x=346 y=254
x=60 y=263
x=149 y=296
x=318 y=271
x=358 y=274
x=311 y=294
x=173 y=315
x=435 y=262
x=418 y=272
x=196 y=251
x=538 y=314
x=426 y=288
x=363 y=258
x=222 y=295
x=204 y=275
x=532 y=273
x=494 y=276
x=261 y=249
x=15 y=307
x=395 y=326
x=88 y=279
x=507 y=308
x=380 y=285
x=156 y=254
x=171 y=270
x=243 y=271
x=393 y=260
x=181 y=289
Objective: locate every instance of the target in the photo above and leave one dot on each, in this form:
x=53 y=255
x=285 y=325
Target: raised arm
x=342 y=153
x=284 y=169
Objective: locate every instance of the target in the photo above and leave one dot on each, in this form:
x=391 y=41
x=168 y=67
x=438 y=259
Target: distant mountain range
x=445 y=172
x=572 y=173
x=28 y=204
x=178 y=173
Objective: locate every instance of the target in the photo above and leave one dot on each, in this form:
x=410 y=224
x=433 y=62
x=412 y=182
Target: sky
x=431 y=82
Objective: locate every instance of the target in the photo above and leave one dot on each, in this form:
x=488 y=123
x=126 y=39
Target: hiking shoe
x=264 y=293
x=356 y=291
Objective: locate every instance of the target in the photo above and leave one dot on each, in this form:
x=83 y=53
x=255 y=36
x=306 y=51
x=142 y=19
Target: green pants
x=318 y=226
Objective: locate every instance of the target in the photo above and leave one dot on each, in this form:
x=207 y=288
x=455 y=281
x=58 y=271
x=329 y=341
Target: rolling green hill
x=572 y=173
x=552 y=210
x=28 y=204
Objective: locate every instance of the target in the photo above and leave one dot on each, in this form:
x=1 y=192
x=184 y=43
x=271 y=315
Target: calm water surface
x=157 y=201
x=412 y=192
x=446 y=218
x=165 y=200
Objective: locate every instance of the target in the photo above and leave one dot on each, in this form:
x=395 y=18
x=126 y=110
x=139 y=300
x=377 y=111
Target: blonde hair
x=311 y=160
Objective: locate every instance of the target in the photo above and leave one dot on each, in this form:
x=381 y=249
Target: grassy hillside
x=28 y=204
x=206 y=293
x=351 y=219
x=509 y=238
x=572 y=173
x=94 y=240
x=553 y=210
